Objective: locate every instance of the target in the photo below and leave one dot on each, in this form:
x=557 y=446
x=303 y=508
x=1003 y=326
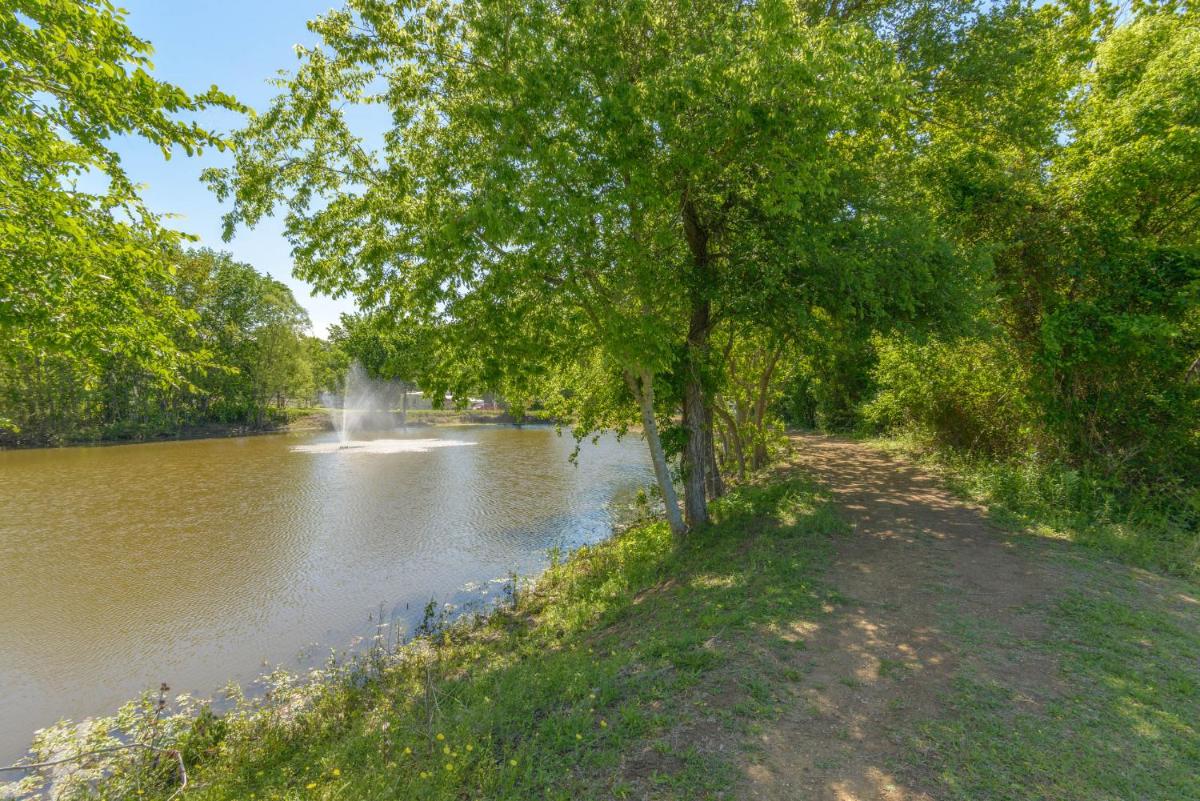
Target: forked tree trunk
x=642 y=388
x=760 y=406
x=735 y=439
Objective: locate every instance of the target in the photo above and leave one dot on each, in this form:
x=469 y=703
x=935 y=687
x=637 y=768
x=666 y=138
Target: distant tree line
x=249 y=351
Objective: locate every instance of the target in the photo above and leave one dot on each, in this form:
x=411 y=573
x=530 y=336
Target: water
x=199 y=562
x=366 y=404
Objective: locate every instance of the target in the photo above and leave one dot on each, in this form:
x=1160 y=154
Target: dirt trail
x=920 y=571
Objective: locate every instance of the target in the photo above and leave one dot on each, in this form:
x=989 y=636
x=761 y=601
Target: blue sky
x=237 y=45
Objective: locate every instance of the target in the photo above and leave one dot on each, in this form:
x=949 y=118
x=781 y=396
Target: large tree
x=589 y=182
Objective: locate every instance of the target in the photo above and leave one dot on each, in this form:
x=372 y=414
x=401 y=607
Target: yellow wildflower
x=512 y=762
x=407 y=751
x=604 y=724
x=449 y=766
x=336 y=772
x=441 y=736
x=445 y=749
x=470 y=747
x=310 y=786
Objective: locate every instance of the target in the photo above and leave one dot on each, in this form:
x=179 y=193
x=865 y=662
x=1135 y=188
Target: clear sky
x=237 y=45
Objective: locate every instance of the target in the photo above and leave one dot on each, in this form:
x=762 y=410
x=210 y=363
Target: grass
x=1158 y=530
x=611 y=677
x=1120 y=712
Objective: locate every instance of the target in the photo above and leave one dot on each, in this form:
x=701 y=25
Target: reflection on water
x=199 y=562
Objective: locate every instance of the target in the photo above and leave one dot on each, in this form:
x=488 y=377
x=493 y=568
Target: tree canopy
x=83 y=262
x=700 y=218
x=597 y=184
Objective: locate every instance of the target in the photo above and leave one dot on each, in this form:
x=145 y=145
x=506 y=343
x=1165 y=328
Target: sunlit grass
x=1122 y=718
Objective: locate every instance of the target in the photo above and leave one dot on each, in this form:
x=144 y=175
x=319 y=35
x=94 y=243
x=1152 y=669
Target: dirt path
x=920 y=574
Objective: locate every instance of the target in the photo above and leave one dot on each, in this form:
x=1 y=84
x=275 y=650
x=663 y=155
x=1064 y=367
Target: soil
x=917 y=560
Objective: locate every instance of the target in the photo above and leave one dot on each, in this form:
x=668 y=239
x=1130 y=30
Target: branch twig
x=183 y=776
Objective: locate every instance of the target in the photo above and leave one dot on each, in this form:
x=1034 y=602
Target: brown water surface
x=204 y=561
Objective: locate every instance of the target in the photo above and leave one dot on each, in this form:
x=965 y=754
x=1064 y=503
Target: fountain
x=365 y=408
x=366 y=405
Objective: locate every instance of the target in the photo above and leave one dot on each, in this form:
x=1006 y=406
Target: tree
x=576 y=183
x=1061 y=149
x=1120 y=314
x=81 y=270
x=254 y=330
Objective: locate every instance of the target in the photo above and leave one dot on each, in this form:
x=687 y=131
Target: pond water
x=199 y=562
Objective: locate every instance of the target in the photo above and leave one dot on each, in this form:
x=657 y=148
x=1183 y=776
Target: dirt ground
x=917 y=561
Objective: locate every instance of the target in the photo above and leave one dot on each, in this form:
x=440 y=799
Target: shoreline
x=309 y=421
x=731 y=663
x=587 y=528
x=287 y=693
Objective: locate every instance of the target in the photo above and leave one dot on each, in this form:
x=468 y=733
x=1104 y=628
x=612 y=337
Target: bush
x=968 y=394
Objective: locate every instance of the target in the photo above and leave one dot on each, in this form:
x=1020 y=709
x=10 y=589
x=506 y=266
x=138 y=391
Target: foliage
x=965 y=395
x=1119 y=331
x=1061 y=154
x=596 y=185
x=756 y=366
x=82 y=269
x=110 y=329
x=246 y=339
x=255 y=330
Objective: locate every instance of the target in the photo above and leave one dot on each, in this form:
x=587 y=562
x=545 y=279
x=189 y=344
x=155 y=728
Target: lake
x=199 y=562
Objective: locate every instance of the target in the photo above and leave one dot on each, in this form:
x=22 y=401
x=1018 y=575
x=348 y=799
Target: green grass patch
x=1121 y=718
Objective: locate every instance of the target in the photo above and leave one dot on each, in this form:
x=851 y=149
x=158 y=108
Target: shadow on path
x=921 y=577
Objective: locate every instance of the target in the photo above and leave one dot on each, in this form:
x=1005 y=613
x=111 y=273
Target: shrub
x=968 y=394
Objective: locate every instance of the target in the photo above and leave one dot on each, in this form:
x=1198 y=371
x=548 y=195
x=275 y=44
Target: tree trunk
x=695 y=498
x=645 y=398
x=696 y=415
x=715 y=484
x=760 y=408
x=735 y=437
